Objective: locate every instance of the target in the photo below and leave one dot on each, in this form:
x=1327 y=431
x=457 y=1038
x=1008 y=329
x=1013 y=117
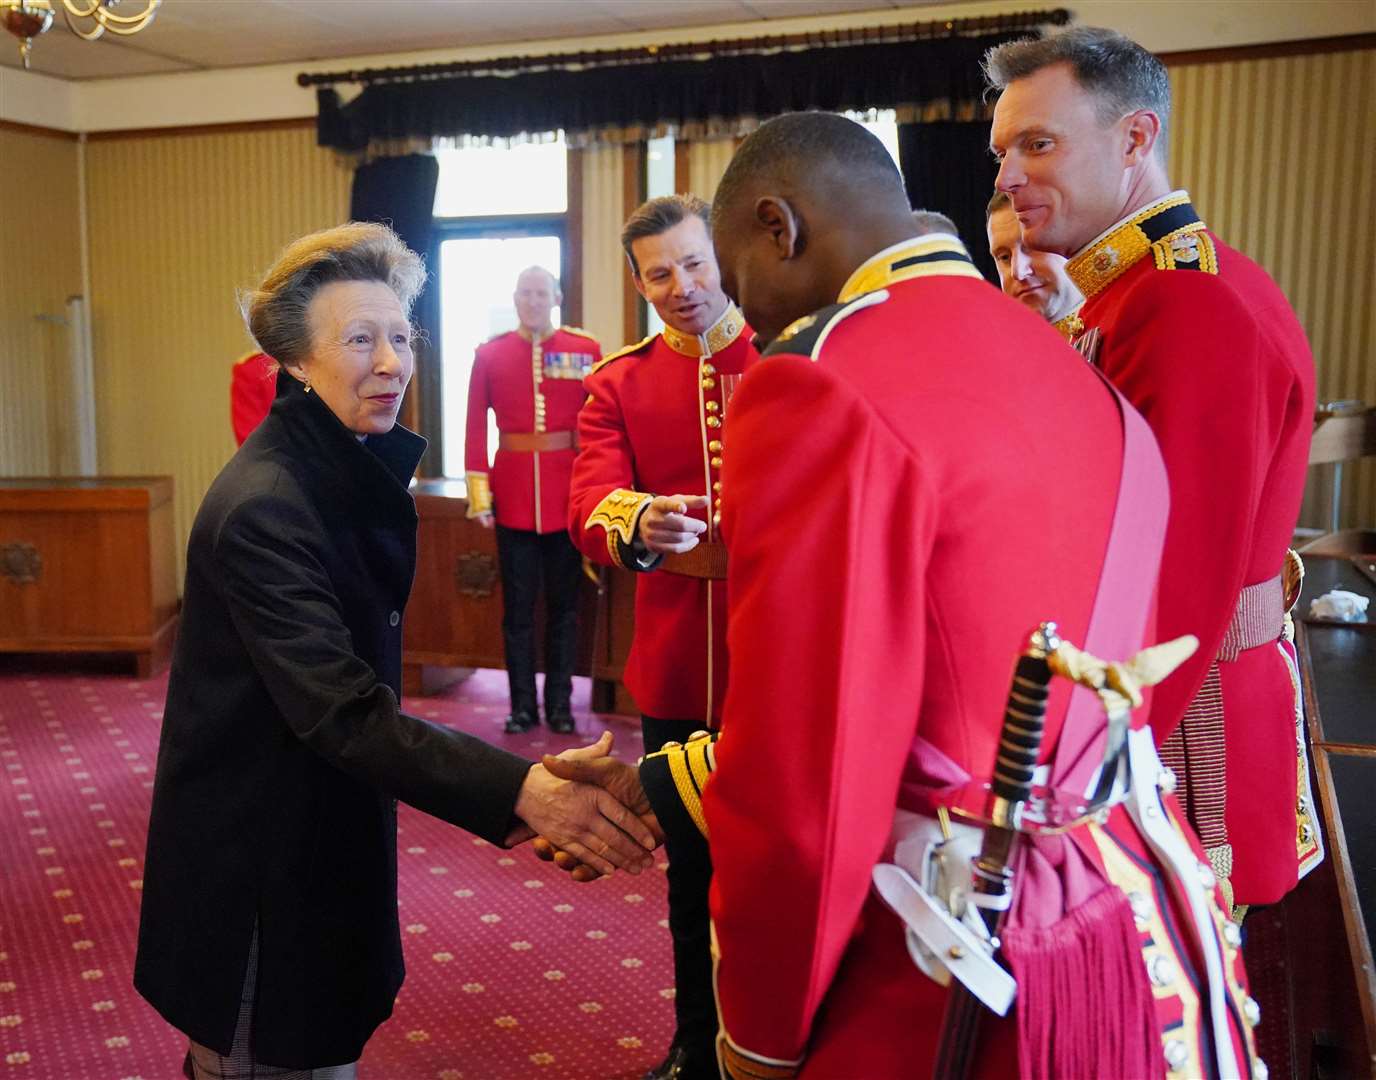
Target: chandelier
x=27 y=19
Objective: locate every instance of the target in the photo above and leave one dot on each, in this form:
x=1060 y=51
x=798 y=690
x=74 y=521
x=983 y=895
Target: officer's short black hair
x=659 y=215
x=1121 y=75
x=804 y=145
x=997 y=201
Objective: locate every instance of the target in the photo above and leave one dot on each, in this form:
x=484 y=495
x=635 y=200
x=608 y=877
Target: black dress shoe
x=672 y=1067
x=519 y=722
x=560 y=720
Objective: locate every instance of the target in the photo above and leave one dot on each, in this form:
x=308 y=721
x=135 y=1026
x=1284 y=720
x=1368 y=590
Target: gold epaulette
x=1186 y=251
x=579 y=331
x=627 y=351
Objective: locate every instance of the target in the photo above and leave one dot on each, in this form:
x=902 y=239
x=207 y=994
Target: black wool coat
x=284 y=751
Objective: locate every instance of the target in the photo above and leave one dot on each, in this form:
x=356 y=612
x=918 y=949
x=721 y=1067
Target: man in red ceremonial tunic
x=917 y=473
x=647 y=475
x=1201 y=340
x=532 y=378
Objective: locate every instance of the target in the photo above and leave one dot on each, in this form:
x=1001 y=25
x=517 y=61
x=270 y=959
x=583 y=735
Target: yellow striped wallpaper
x=1277 y=155
x=179 y=223
x=40 y=266
x=603 y=262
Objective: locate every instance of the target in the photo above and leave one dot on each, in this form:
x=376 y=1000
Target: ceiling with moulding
x=198 y=35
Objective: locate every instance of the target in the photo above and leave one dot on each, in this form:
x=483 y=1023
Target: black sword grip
x=1024 y=720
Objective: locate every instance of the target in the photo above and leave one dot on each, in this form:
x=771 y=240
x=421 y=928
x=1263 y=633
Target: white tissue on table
x=1339 y=604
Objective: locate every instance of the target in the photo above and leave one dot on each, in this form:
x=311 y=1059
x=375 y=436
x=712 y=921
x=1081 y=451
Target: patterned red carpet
x=513 y=970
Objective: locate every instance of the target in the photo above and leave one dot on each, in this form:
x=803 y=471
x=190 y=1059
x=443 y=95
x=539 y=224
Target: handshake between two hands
x=588 y=813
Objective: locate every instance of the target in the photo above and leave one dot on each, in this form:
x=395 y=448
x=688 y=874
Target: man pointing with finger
x=643 y=497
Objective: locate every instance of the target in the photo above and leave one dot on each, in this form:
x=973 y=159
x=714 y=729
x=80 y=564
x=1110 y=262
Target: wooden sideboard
x=88 y=565
x=454 y=616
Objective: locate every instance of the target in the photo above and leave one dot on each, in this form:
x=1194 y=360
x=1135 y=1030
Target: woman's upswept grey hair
x=359 y=251
x=1122 y=76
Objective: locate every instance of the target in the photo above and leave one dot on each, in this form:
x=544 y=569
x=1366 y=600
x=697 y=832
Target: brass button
x=716 y=485
x=712 y=407
x=716 y=463
x=708 y=369
x=714 y=446
x=716 y=519
x=712 y=421
x=709 y=384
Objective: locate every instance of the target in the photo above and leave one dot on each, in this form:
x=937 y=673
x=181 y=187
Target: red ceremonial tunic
x=653 y=425
x=915 y=479
x=1204 y=344
x=536 y=388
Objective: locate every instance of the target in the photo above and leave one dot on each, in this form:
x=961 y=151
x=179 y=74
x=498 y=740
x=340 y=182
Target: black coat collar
x=377 y=470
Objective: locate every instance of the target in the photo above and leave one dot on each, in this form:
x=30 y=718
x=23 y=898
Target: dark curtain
x=834 y=78
x=947 y=167
x=400 y=192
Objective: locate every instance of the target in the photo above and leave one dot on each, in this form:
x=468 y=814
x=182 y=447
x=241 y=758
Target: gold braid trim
x=617 y=514
x=687 y=790
x=931 y=256
x=1071 y=326
x=691 y=765
x=479 y=494
x=1104 y=262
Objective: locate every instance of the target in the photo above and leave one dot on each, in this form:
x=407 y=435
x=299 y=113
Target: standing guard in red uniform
x=917 y=473
x=643 y=498
x=532 y=378
x=1201 y=340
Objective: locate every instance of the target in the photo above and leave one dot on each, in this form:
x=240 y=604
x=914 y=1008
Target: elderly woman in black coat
x=269 y=927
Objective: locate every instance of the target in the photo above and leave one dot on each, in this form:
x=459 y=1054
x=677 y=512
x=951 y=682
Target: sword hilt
x=1024 y=722
x=1020 y=744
